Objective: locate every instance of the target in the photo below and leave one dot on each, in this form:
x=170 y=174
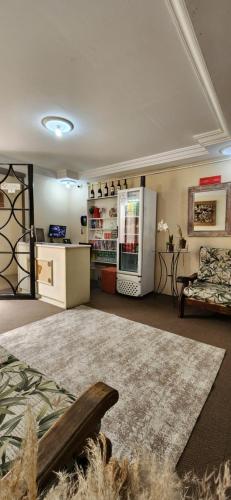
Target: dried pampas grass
x=142 y=479
x=20 y=482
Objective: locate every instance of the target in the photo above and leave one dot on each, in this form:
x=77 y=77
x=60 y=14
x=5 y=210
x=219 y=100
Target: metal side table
x=169 y=270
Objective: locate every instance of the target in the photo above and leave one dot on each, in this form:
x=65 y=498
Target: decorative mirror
x=209 y=210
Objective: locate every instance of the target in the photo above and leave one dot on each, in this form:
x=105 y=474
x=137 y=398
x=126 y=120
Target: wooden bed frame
x=66 y=439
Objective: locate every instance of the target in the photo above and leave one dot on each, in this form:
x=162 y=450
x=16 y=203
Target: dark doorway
x=17 y=268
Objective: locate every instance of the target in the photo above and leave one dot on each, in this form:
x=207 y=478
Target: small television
x=57 y=231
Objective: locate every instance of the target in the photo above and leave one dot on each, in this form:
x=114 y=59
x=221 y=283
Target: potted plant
x=182 y=240
x=163 y=226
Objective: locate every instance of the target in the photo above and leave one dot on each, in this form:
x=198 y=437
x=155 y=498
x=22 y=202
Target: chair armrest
x=185 y=280
x=67 y=437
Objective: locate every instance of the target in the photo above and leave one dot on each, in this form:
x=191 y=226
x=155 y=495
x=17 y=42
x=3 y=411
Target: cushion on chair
x=209 y=292
x=21 y=386
x=215 y=265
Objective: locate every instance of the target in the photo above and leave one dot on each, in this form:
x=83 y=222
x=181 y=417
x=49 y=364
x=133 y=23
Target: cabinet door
x=130 y=212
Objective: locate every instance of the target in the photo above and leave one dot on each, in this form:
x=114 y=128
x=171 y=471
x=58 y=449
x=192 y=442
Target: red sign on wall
x=215 y=179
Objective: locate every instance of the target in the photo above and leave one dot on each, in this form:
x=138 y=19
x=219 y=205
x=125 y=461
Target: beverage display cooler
x=136 y=241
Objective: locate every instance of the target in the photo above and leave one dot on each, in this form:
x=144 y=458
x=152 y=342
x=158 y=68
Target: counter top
x=62 y=245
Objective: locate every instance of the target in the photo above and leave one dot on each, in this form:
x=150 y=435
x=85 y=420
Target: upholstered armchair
x=210 y=288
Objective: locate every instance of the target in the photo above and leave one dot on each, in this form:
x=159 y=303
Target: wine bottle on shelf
x=112 y=189
x=118 y=186
x=100 y=194
x=125 y=186
x=92 y=194
x=105 y=191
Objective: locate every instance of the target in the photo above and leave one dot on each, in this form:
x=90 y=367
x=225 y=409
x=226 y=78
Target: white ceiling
x=211 y=22
x=117 y=68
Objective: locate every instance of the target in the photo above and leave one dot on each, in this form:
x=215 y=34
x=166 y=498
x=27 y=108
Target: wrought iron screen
x=17 y=268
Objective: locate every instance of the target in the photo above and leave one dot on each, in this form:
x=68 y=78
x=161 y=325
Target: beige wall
x=172 y=206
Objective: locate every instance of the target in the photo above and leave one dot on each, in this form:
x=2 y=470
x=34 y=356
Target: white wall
x=55 y=204
x=77 y=207
x=51 y=202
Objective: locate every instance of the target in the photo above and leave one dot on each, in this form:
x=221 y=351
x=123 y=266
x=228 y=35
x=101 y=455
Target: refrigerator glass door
x=129 y=231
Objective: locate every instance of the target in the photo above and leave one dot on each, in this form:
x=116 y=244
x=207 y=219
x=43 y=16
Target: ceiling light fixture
x=226 y=151
x=57 y=125
x=68 y=178
x=70 y=183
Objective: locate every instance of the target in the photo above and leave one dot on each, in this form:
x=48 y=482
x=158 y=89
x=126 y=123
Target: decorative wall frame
x=221 y=222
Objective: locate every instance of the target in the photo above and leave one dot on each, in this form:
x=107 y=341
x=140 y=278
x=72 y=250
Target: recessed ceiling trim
x=182 y=21
x=212 y=137
x=146 y=161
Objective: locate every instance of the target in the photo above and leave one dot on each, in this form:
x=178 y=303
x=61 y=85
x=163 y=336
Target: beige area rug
x=163 y=379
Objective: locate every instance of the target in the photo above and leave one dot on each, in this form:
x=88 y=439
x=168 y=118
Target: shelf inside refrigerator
x=128 y=262
x=111 y=262
x=130 y=253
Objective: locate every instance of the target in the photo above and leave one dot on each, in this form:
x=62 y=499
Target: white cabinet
x=70 y=271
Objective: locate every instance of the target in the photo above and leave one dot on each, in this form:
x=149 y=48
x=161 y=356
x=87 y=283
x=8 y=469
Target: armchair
x=210 y=288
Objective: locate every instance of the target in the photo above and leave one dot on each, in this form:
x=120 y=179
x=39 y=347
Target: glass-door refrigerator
x=136 y=241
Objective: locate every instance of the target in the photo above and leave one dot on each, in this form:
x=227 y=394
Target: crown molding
x=173 y=168
x=147 y=161
x=212 y=137
x=180 y=16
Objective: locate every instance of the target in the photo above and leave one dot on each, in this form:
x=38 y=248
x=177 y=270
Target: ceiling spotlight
x=226 y=151
x=57 y=125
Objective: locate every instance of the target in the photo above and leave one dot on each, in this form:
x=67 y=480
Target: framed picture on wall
x=204 y=213
x=209 y=210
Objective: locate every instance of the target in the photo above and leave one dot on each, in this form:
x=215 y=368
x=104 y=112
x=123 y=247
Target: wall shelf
x=102 y=218
x=99 y=250
x=102 y=239
x=102 y=198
